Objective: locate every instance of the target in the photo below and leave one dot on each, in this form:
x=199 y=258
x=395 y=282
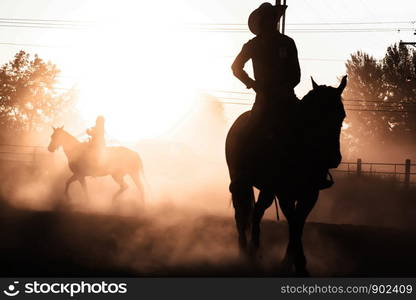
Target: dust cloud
x=187 y=219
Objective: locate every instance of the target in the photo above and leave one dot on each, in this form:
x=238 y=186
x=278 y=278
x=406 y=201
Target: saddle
x=97 y=156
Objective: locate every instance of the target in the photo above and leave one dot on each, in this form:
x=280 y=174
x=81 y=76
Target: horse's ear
x=314 y=84
x=342 y=85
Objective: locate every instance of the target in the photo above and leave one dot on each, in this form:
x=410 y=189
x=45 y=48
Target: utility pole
x=284 y=19
x=281 y=24
x=281 y=29
x=408 y=43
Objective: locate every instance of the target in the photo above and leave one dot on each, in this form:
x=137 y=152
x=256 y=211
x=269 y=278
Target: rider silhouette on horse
x=97 y=141
x=97 y=133
x=275 y=65
x=276 y=73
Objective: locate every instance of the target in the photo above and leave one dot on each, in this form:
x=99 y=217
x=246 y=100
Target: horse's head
x=324 y=107
x=323 y=113
x=56 y=138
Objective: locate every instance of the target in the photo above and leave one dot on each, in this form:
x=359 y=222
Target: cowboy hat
x=264 y=12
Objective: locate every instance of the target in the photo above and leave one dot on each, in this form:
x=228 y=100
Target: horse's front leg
x=123 y=186
x=243 y=201
x=296 y=216
x=68 y=183
x=264 y=202
x=306 y=203
x=84 y=186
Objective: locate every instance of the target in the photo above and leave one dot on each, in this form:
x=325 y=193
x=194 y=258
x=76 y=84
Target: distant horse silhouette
x=294 y=179
x=114 y=161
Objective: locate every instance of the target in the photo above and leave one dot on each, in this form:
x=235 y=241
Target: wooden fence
x=402 y=172
x=22 y=154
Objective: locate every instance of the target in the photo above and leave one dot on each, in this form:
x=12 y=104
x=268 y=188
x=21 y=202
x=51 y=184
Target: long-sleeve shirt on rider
x=275 y=62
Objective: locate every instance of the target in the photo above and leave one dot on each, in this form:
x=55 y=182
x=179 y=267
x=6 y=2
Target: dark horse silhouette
x=293 y=179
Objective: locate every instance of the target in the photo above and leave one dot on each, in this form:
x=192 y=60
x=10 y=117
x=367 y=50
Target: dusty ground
x=167 y=243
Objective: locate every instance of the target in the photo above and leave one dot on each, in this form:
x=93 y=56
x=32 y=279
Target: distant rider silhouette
x=97 y=141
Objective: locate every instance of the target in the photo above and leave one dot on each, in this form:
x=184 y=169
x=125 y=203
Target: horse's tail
x=140 y=181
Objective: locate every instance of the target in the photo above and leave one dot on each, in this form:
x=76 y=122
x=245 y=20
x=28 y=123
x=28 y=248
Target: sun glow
x=140 y=72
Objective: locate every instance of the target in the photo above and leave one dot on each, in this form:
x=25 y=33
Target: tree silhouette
x=29 y=100
x=381 y=98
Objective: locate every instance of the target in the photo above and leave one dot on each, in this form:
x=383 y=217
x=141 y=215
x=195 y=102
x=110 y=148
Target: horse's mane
x=70 y=137
x=316 y=93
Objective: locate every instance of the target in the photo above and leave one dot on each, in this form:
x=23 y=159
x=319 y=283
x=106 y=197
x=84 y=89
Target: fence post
x=407 y=173
x=359 y=167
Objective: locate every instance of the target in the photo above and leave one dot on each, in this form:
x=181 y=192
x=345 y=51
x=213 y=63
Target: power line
x=39 y=23
x=231 y=92
x=40 y=26
x=46 y=20
x=344 y=100
x=87 y=22
x=207 y=27
x=33 y=45
x=380 y=110
x=310 y=24
x=312 y=30
x=323 y=59
x=43 y=23
x=347 y=107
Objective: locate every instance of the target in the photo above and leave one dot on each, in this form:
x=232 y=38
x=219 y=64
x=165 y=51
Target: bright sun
x=140 y=73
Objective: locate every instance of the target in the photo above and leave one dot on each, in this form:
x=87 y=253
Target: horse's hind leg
x=84 y=187
x=243 y=200
x=123 y=186
x=264 y=202
x=288 y=207
x=138 y=181
x=303 y=208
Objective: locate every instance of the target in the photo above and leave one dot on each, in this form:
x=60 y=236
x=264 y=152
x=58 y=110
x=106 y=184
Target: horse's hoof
x=287 y=266
x=63 y=205
x=244 y=252
x=302 y=272
x=253 y=250
x=300 y=262
x=243 y=255
x=252 y=255
x=242 y=242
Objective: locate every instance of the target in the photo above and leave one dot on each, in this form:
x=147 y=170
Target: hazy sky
x=123 y=29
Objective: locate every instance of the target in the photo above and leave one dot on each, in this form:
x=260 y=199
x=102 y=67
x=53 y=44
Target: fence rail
x=22 y=154
x=403 y=172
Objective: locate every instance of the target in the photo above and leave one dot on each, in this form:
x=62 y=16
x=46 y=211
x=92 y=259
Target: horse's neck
x=69 y=144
